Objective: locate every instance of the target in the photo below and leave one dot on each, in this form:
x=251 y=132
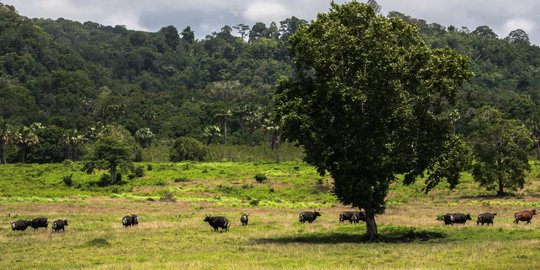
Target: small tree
x=186 y=148
x=113 y=150
x=273 y=132
x=500 y=146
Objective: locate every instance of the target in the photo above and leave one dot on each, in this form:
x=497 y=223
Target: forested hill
x=80 y=75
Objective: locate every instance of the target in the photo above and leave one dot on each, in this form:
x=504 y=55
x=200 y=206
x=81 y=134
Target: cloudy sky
x=207 y=16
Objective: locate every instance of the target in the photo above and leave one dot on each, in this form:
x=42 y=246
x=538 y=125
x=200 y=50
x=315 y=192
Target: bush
x=149 y=167
x=68 y=180
x=260 y=178
x=254 y=202
x=167 y=197
x=139 y=171
x=181 y=179
x=186 y=148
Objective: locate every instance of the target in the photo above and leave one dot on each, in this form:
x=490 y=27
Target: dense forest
x=62 y=80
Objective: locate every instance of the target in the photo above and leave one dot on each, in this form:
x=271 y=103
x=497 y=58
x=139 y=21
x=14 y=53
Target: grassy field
x=172 y=235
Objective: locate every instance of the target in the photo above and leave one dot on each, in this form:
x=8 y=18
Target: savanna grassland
x=172 y=235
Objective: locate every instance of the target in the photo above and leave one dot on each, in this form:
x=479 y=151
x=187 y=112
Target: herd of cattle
x=220 y=222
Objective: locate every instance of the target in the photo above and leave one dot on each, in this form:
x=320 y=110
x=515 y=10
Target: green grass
x=172 y=235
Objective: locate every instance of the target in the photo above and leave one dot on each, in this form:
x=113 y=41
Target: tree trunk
x=278 y=152
x=113 y=174
x=371 y=227
x=538 y=148
x=2 y=157
x=500 y=192
x=23 y=149
x=225 y=131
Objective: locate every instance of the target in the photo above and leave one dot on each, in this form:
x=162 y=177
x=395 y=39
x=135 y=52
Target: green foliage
x=113 y=149
x=185 y=148
x=370 y=101
x=139 y=171
x=260 y=178
x=500 y=147
x=68 y=180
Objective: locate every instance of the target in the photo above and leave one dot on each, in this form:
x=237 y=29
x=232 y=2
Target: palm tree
x=274 y=137
x=224 y=116
x=73 y=140
x=27 y=137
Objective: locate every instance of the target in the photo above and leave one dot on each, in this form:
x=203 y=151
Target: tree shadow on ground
x=400 y=235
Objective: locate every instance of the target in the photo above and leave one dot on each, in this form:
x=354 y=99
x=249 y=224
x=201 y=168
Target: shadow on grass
x=386 y=235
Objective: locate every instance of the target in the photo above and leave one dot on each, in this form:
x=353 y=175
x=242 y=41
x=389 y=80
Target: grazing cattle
x=218 y=222
x=130 y=220
x=59 y=224
x=459 y=218
x=20 y=225
x=134 y=220
x=37 y=223
x=526 y=215
x=485 y=218
x=352 y=216
x=308 y=216
x=244 y=219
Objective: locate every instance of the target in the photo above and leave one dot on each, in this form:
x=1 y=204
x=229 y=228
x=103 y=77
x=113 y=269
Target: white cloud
x=519 y=23
x=265 y=11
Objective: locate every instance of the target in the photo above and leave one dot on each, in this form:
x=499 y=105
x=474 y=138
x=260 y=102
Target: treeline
x=76 y=78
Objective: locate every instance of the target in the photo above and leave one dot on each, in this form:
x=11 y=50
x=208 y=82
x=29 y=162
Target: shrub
x=181 y=179
x=254 y=202
x=167 y=197
x=139 y=171
x=68 y=180
x=149 y=167
x=260 y=178
x=186 y=148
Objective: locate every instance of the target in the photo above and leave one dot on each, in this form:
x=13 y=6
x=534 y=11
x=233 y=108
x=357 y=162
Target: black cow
x=20 y=225
x=37 y=223
x=130 y=220
x=485 y=218
x=244 y=219
x=458 y=218
x=308 y=216
x=134 y=220
x=352 y=216
x=218 y=222
x=59 y=224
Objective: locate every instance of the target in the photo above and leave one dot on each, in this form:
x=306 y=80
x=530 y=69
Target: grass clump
x=260 y=178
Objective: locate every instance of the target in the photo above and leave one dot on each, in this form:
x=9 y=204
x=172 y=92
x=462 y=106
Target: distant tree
x=224 y=117
x=211 y=134
x=186 y=148
x=257 y=31
x=144 y=137
x=290 y=25
x=500 y=146
x=26 y=138
x=73 y=141
x=112 y=151
x=172 y=38
x=484 y=31
x=518 y=36
x=242 y=30
x=5 y=138
x=376 y=7
x=274 y=135
x=187 y=35
x=370 y=101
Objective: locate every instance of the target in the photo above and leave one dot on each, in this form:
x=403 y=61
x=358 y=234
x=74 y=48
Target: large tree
x=370 y=100
x=501 y=149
